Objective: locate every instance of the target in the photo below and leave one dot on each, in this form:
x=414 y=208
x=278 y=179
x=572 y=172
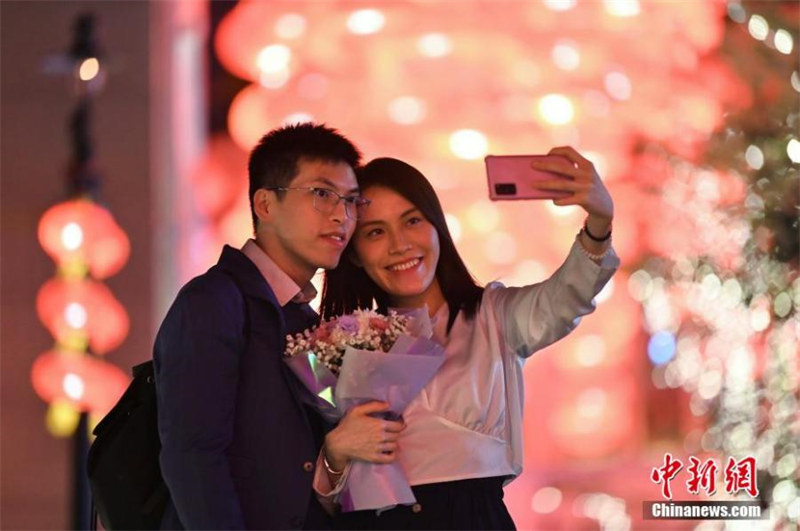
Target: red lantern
x=241 y=36
x=110 y=251
x=220 y=178
x=237 y=225
x=249 y=111
x=82 y=308
x=90 y=384
x=79 y=230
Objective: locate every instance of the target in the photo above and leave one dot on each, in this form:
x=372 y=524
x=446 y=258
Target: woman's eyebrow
x=373 y=222
x=382 y=222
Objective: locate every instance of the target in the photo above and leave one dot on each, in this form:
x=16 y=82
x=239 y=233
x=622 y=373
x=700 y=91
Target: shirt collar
x=285 y=289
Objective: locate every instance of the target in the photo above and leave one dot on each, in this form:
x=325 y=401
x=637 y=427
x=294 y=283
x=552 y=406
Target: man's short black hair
x=273 y=162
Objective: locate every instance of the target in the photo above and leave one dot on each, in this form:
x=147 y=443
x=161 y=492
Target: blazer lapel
x=253 y=284
x=297 y=388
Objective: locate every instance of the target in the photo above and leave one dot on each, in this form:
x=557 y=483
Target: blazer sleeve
x=538 y=315
x=197 y=362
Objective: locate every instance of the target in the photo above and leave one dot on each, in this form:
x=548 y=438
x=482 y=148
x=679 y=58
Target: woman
x=463 y=436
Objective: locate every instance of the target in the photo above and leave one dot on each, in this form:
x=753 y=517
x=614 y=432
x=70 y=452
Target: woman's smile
x=405 y=266
x=398 y=249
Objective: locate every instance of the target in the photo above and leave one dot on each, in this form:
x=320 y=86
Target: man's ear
x=262 y=203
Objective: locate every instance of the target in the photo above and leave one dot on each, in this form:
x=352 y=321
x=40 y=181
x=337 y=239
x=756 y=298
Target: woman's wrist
x=597 y=228
x=334 y=461
x=333 y=471
x=596 y=239
x=595 y=248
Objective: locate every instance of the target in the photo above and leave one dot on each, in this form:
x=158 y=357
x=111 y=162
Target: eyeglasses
x=326 y=200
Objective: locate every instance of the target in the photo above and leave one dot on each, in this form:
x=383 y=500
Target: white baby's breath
x=363 y=330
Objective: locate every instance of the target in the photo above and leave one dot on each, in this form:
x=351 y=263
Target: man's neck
x=300 y=274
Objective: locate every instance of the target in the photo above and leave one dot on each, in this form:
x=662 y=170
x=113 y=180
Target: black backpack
x=128 y=491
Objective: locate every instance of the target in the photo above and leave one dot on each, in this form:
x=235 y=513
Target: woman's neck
x=432 y=297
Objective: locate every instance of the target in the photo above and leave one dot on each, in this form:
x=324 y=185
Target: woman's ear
x=262 y=201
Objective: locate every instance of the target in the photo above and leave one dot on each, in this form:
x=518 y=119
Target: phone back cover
x=510 y=177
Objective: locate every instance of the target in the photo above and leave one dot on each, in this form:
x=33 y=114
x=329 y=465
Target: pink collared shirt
x=284 y=288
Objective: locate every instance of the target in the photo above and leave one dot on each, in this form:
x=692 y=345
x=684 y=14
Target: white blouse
x=467 y=422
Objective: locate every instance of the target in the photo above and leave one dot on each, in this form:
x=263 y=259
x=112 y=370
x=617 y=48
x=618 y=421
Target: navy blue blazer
x=238 y=447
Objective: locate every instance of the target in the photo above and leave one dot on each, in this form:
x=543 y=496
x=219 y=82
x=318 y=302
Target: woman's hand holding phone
x=585 y=186
x=514 y=177
x=563 y=175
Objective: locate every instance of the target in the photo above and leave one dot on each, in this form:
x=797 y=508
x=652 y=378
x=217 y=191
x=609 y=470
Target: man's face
x=306 y=231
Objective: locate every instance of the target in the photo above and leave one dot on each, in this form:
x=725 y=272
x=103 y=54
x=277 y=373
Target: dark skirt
x=466 y=504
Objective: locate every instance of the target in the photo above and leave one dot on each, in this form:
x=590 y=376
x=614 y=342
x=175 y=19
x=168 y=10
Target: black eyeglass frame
x=356 y=201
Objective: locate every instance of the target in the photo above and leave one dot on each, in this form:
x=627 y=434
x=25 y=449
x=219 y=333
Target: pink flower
x=322 y=333
x=378 y=324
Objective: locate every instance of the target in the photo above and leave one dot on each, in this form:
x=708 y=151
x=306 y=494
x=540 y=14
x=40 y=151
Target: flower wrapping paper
x=395 y=377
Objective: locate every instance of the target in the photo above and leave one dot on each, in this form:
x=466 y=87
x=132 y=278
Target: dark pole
x=82 y=180
x=81 y=496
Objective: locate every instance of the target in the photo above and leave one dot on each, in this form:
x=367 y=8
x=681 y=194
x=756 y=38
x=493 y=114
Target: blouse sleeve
x=538 y=315
x=328 y=495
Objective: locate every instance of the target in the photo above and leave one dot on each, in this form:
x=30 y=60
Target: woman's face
x=399 y=249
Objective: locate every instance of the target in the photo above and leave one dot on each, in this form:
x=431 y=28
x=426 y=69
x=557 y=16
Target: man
x=239 y=448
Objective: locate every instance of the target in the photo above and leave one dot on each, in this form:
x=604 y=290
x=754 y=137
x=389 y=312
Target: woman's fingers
x=385 y=452
x=559 y=167
x=554 y=184
x=394 y=426
x=586 y=187
x=389 y=437
x=573 y=156
x=565 y=201
x=388 y=447
x=384 y=459
x=365 y=435
x=560 y=185
x=369 y=408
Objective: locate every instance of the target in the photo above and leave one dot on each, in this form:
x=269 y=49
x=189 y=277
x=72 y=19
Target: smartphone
x=511 y=177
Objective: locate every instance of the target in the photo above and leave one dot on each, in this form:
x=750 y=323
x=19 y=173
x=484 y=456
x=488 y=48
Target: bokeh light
x=89 y=69
x=469 y=144
x=290 y=26
x=661 y=347
x=556 y=109
x=366 y=21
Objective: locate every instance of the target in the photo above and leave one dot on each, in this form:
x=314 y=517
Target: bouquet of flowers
x=362 y=329
x=365 y=356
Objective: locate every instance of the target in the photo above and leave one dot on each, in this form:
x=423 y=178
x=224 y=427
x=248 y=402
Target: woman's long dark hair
x=348 y=287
